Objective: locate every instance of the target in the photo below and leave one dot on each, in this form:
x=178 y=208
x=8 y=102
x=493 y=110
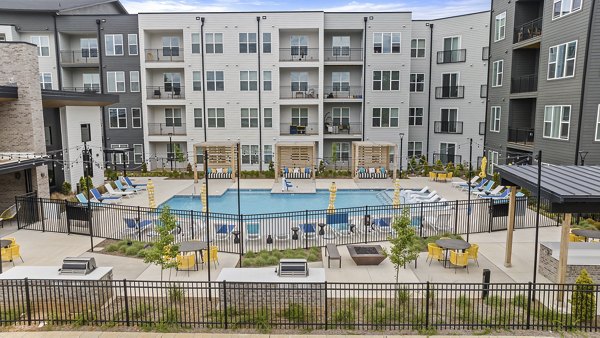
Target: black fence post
x=126 y=299
x=421 y=212
x=226 y=322
x=305 y=225
x=68 y=219
x=28 y=301
x=456 y=217
x=42 y=215
x=529 y=295
x=427 y=306
x=18 y=216
x=491 y=214
x=192 y=222
x=139 y=220
x=326 y=308
x=366 y=227
x=90 y=217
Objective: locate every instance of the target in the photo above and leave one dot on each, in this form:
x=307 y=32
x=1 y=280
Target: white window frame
x=565 y=61
x=300 y=116
x=212 y=42
x=174 y=117
x=132 y=38
x=382 y=82
x=43 y=44
x=196 y=80
x=119 y=157
x=111 y=50
x=391 y=117
x=549 y=121
x=413 y=116
x=500 y=27
x=340 y=81
x=134 y=75
x=340 y=45
x=414 y=46
x=268 y=153
x=213 y=78
x=248 y=80
x=412 y=146
x=136 y=115
x=214 y=116
x=267 y=42
x=198 y=117
x=196 y=43
x=378 y=38
x=116 y=77
x=250 y=154
x=91 y=82
x=496 y=114
x=267 y=116
x=571 y=10
x=299 y=45
x=492 y=161
x=249 y=118
x=414 y=83
x=597 y=136
x=267 y=80
x=121 y=120
x=497 y=73
x=138 y=153
x=343 y=150
x=43 y=83
x=340 y=116
x=248 y=43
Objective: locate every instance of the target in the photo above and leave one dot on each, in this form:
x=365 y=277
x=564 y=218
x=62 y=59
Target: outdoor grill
x=78 y=265
x=293 y=267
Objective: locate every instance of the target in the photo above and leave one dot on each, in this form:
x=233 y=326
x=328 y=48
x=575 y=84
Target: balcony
x=447 y=158
x=303 y=129
x=343 y=92
x=166 y=129
x=481 y=128
x=343 y=54
x=452 y=92
x=350 y=128
x=452 y=56
x=88 y=90
x=79 y=58
x=448 y=127
x=524 y=84
x=299 y=54
x=165 y=93
x=521 y=136
x=528 y=30
x=299 y=92
x=165 y=54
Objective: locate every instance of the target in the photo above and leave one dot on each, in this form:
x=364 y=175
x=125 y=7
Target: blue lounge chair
x=383 y=224
x=253 y=231
x=133 y=185
x=486 y=187
x=132 y=226
x=480 y=184
x=101 y=198
x=308 y=230
x=81 y=198
x=338 y=222
x=121 y=187
x=224 y=230
x=465 y=184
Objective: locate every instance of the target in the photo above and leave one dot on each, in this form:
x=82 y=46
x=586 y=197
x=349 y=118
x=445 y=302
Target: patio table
x=5 y=243
x=588 y=234
x=452 y=244
x=193 y=246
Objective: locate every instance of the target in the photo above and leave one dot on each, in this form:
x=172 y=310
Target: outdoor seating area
x=441 y=176
x=295 y=160
x=453 y=253
x=10 y=250
x=372 y=160
x=221 y=160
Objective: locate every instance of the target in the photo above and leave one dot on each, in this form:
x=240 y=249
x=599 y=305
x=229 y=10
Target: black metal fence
x=293 y=306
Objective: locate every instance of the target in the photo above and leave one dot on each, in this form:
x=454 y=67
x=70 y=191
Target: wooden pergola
x=295 y=155
x=221 y=155
x=370 y=154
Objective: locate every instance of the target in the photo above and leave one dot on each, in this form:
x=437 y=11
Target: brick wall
x=548 y=267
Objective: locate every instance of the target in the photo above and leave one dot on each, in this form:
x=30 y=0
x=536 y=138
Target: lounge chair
x=121 y=187
x=113 y=192
x=129 y=183
x=132 y=226
x=496 y=191
x=426 y=197
x=253 y=231
x=104 y=199
x=222 y=231
x=383 y=224
x=435 y=198
x=465 y=184
x=8 y=214
x=423 y=191
x=309 y=230
x=504 y=194
x=83 y=200
x=338 y=222
x=480 y=184
x=484 y=188
x=441 y=222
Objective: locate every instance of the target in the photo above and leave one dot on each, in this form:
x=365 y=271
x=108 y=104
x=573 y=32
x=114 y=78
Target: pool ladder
x=384 y=198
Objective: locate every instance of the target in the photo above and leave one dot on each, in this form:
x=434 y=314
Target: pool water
x=263 y=201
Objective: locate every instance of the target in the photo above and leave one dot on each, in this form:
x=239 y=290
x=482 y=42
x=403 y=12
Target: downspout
x=260 y=147
x=429 y=88
x=487 y=84
x=101 y=77
x=205 y=122
x=57 y=50
x=364 y=88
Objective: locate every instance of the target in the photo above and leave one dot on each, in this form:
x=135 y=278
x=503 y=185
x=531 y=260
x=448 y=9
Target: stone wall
x=253 y=296
x=548 y=267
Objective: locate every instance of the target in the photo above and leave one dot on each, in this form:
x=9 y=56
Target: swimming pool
x=263 y=201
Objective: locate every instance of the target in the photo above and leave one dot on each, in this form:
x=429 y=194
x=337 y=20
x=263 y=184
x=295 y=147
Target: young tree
x=179 y=156
x=164 y=251
x=583 y=301
x=405 y=245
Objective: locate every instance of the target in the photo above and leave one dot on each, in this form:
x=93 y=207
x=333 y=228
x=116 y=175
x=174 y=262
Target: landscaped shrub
x=520 y=300
x=296 y=313
x=66 y=188
x=583 y=300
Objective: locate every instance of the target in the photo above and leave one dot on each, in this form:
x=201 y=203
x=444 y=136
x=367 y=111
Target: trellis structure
x=294 y=155
x=222 y=157
x=369 y=155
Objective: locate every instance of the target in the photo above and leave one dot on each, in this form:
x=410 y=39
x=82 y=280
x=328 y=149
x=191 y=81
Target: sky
x=422 y=9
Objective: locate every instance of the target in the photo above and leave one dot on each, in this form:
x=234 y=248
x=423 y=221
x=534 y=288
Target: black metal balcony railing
x=166 y=129
x=165 y=93
x=343 y=54
x=528 y=30
x=89 y=90
x=343 y=92
x=448 y=127
x=483 y=91
x=524 y=84
x=299 y=54
x=481 y=128
x=523 y=136
x=447 y=158
x=72 y=57
x=165 y=54
x=301 y=128
x=452 y=56
x=299 y=92
x=343 y=128
x=452 y=92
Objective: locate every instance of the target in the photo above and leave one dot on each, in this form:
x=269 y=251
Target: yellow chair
x=436 y=253
x=6 y=255
x=473 y=252
x=8 y=214
x=15 y=251
x=575 y=238
x=442 y=177
x=432 y=176
x=186 y=262
x=459 y=259
x=214 y=255
x=449 y=176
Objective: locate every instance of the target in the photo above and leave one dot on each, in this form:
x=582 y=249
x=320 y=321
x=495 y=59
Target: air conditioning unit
x=78 y=265
x=293 y=268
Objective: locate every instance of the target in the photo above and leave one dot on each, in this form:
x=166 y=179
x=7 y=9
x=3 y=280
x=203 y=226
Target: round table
x=5 y=243
x=193 y=246
x=587 y=233
x=452 y=244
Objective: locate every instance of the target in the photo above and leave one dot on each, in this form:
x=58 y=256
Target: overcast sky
x=422 y=9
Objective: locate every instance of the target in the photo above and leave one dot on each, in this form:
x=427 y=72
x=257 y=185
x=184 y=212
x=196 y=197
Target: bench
x=332 y=253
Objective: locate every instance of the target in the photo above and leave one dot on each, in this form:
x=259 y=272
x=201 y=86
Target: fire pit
x=366 y=254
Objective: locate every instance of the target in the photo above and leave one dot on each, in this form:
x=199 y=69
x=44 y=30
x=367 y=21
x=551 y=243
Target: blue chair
x=486 y=187
x=338 y=222
x=253 y=231
x=480 y=184
x=132 y=226
x=383 y=224
x=81 y=198
x=308 y=230
x=121 y=187
x=224 y=230
x=416 y=221
x=134 y=185
x=101 y=198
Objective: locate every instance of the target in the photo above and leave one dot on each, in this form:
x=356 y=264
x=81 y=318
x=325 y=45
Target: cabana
x=222 y=158
x=295 y=159
x=372 y=159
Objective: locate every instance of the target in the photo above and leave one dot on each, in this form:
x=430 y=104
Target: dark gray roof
x=569 y=188
x=52 y=5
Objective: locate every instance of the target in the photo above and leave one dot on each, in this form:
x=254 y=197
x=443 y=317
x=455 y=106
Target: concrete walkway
x=98 y=334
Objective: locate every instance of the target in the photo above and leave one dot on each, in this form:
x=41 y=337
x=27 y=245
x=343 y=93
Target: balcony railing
x=299 y=92
x=452 y=56
x=343 y=92
x=483 y=91
x=448 y=127
x=344 y=128
x=166 y=54
x=528 y=30
x=452 y=92
x=447 y=158
x=166 y=129
x=481 y=128
x=165 y=93
x=76 y=57
x=524 y=84
x=299 y=54
x=343 y=54
x=89 y=90
x=521 y=136
x=299 y=129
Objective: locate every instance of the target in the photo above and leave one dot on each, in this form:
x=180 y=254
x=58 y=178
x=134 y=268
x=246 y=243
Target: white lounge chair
x=465 y=184
x=420 y=192
x=441 y=223
x=113 y=192
x=426 y=197
x=497 y=190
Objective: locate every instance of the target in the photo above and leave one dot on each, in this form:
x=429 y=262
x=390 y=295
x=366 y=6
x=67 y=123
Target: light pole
x=171 y=152
x=400 y=153
x=469 y=188
x=537 y=216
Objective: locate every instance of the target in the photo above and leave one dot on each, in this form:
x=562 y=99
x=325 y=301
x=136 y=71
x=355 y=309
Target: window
x=172 y=83
x=117 y=117
x=195 y=43
x=500 y=27
x=556 y=122
x=249 y=118
x=417 y=82
x=340 y=116
x=299 y=116
x=341 y=46
x=598 y=125
x=170 y=45
x=415 y=149
x=497 y=72
x=197 y=117
x=267 y=82
x=173 y=117
x=216 y=117
x=386 y=80
x=138 y=153
x=91 y=82
x=46 y=80
x=248 y=80
x=299 y=45
x=565 y=7
x=134 y=81
x=132 y=43
x=492 y=161
x=447 y=152
x=89 y=48
x=173 y=150
x=417 y=48
x=267 y=153
x=299 y=81
x=415 y=116
x=196 y=80
x=268 y=117
x=561 y=62
x=43 y=45
x=495 y=123
x=250 y=154
x=341 y=151
x=266 y=43
x=214 y=43
x=386 y=43
x=385 y=117
x=247 y=43
x=48 y=135
x=2 y=37
x=115 y=82
x=121 y=157
x=113 y=44
x=340 y=81
x=215 y=81
x=136 y=117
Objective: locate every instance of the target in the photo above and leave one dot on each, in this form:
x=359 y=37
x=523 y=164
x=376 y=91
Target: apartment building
x=543 y=82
